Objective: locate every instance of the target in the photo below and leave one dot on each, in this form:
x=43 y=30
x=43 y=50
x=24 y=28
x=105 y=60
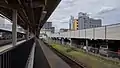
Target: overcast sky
x=107 y=10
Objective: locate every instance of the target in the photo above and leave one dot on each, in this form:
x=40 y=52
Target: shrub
x=71 y=49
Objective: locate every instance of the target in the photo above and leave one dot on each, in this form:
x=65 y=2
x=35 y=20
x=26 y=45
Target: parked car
x=118 y=53
x=84 y=48
x=93 y=49
x=105 y=51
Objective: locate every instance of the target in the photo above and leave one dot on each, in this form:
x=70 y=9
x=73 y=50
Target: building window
x=80 y=17
x=77 y=25
x=91 y=25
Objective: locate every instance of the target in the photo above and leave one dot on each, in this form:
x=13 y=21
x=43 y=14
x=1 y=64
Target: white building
x=47 y=29
x=71 y=22
x=47 y=25
x=2 y=22
x=95 y=23
x=85 y=22
x=5 y=24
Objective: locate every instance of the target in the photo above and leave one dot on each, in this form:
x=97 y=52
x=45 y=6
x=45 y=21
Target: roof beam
x=21 y=18
x=43 y=15
x=3 y=1
x=6 y=1
x=36 y=4
x=10 y=6
x=45 y=2
x=6 y=12
x=24 y=12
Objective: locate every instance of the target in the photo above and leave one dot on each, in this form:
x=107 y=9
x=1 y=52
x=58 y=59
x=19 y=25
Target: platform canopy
x=32 y=14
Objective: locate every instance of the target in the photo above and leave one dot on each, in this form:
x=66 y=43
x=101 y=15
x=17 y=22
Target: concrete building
x=75 y=24
x=46 y=32
x=47 y=29
x=85 y=22
x=71 y=23
x=47 y=25
x=63 y=30
x=2 y=22
x=95 y=23
x=7 y=25
x=52 y=29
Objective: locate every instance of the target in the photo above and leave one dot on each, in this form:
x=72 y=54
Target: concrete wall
x=72 y=34
x=76 y=34
x=113 y=32
x=82 y=33
x=100 y=33
x=106 y=32
x=69 y=34
x=90 y=33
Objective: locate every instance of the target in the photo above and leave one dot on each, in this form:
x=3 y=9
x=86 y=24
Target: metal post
x=14 y=27
x=0 y=61
x=62 y=41
x=70 y=42
x=27 y=33
x=35 y=38
x=86 y=45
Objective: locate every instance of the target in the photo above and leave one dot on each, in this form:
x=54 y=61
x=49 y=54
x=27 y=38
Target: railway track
x=72 y=63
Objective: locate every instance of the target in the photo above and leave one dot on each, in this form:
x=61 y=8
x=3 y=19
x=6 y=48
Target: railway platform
x=53 y=60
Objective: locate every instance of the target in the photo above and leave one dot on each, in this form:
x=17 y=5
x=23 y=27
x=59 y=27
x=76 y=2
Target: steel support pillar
x=27 y=33
x=70 y=42
x=59 y=40
x=86 y=41
x=14 y=27
x=35 y=37
x=63 y=41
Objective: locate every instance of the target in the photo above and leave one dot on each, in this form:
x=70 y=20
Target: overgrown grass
x=90 y=60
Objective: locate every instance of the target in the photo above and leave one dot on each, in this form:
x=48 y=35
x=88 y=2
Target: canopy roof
x=32 y=14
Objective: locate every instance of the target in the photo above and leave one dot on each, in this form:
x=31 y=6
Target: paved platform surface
x=53 y=60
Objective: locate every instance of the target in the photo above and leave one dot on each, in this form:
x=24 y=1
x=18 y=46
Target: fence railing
x=30 y=61
x=17 y=56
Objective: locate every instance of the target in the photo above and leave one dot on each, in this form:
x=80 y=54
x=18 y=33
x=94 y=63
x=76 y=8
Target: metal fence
x=5 y=60
x=30 y=60
x=17 y=56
